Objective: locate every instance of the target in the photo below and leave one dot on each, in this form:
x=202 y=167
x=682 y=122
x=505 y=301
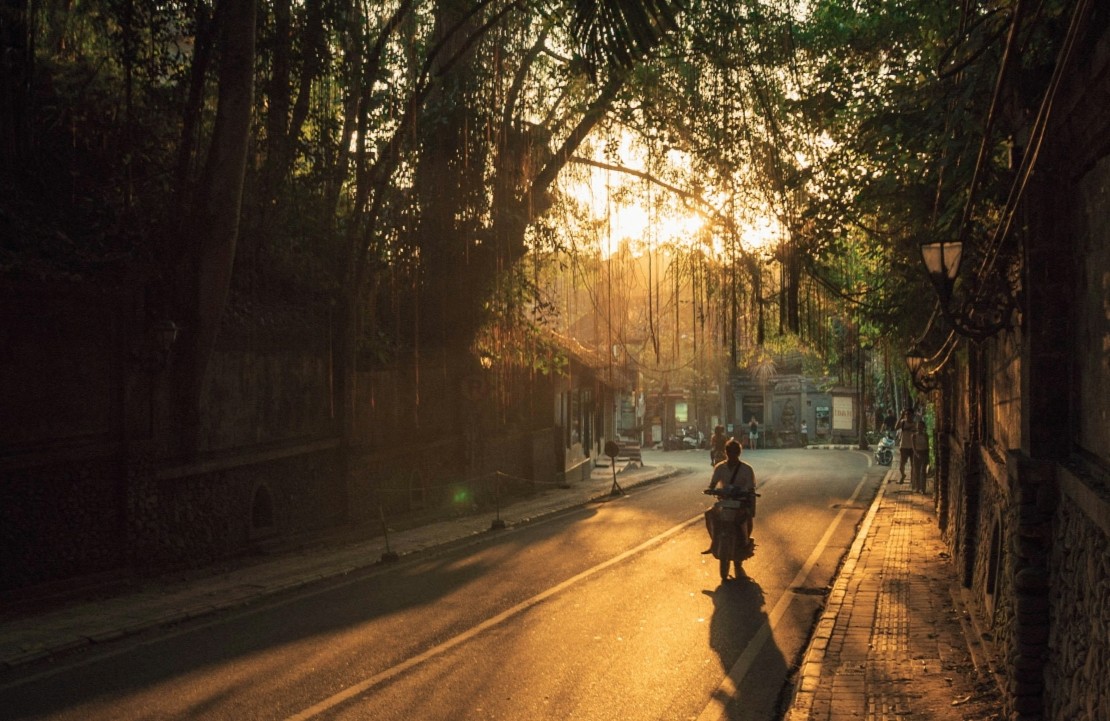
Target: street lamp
x=989 y=305
x=942 y=261
x=923 y=380
x=915 y=359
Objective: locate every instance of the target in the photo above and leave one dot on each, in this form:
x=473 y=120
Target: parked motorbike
x=731 y=513
x=884 y=452
x=686 y=438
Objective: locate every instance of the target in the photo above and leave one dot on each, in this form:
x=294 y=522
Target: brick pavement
x=891 y=644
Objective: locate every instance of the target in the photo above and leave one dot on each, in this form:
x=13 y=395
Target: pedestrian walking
x=717 y=445
x=904 y=429
x=753 y=433
x=920 y=462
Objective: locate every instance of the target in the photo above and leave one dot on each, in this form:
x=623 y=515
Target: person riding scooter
x=732 y=474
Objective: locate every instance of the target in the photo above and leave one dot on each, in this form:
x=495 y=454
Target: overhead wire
x=1037 y=135
x=1038 y=131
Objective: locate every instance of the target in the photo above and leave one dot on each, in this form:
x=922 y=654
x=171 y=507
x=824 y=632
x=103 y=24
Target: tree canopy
x=398 y=160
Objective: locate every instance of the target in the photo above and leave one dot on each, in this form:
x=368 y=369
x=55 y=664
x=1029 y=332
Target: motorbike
x=731 y=513
x=884 y=453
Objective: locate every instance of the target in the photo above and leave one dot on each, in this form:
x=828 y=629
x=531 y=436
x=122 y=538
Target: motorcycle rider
x=731 y=473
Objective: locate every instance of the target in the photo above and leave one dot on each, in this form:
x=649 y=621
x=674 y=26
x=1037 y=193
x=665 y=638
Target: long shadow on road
x=754 y=666
x=328 y=638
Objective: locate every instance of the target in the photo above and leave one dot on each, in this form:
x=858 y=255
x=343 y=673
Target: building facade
x=1024 y=431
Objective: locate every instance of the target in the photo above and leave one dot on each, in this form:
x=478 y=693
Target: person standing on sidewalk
x=753 y=433
x=904 y=429
x=920 y=461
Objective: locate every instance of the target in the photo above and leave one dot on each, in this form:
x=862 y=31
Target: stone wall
x=431 y=477
x=404 y=405
x=194 y=515
x=1028 y=478
x=265 y=397
x=1028 y=613
x=956 y=512
x=60 y=519
x=1077 y=672
x=63 y=357
x=1093 y=305
x=63 y=360
x=991 y=558
x=1079 y=644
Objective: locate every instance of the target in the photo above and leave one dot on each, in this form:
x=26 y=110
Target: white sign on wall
x=843 y=413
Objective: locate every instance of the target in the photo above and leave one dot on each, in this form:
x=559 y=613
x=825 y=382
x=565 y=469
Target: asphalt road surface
x=604 y=612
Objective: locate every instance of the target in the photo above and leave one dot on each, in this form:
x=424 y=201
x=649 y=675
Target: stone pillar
x=1047 y=333
x=1034 y=502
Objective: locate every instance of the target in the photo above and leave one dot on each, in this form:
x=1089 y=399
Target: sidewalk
x=156 y=603
x=893 y=643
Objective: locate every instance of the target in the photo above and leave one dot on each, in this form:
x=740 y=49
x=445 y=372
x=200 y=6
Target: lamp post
x=942 y=261
x=915 y=359
x=990 y=305
x=926 y=382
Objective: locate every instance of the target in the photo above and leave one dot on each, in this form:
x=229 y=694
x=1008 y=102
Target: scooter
x=731 y=514
x=884 y=453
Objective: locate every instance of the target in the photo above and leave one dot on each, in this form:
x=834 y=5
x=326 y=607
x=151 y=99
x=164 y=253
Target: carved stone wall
x=60 y=519
x=1079 y=645
x=192 y=516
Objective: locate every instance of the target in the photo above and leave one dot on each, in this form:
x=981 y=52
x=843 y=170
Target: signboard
x=823 y=415
x=844 y=413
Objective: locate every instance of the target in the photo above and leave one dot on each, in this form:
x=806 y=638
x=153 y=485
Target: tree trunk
x=15 y=80
x=214 y=224
x=454 y=263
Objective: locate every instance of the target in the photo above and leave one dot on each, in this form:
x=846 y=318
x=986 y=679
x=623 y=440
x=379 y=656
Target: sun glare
x=761 y=234
x=627 y=210
x=639 y=227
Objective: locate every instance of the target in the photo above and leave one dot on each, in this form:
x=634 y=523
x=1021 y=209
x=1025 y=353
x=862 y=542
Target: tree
x=208 y=239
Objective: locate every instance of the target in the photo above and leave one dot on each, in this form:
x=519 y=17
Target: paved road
x=605 y=612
